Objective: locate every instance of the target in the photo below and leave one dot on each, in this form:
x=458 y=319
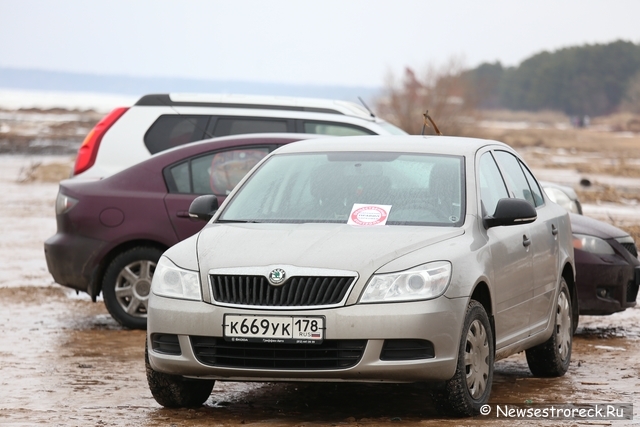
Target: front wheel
x=552 y=357
x=127 y=283
x=470 y=387
x=174 y=391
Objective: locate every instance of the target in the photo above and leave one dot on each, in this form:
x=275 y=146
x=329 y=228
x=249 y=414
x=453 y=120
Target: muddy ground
x=64 y=361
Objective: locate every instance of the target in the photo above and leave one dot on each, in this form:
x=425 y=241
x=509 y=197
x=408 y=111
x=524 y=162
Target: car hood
x=584 y=225
x=333 y=246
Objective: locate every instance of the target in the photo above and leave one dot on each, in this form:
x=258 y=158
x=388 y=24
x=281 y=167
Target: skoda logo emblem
x=276 y=277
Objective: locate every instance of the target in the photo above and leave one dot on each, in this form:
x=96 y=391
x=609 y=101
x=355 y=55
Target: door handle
x=525 y=240
x=554 y=230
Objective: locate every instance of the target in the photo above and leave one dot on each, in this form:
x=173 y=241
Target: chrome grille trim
x=303 y=289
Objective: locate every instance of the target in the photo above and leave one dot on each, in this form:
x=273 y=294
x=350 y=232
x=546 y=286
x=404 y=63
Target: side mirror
x=511 y=212
x=203 y=207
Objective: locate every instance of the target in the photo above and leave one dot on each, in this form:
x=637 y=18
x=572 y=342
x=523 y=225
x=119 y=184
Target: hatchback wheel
x=552 y=358
x=174 y=391
x=127 y=284
x=470 y=387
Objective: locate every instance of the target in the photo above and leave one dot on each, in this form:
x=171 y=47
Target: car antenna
x=367 y=107
x=425 y=124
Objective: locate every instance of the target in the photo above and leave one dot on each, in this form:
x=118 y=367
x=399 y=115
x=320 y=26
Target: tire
x=127 y=283
x=174 y=391
x=470 y=387
x=552 y=358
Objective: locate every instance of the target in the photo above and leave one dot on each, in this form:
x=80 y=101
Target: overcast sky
x=343 y=42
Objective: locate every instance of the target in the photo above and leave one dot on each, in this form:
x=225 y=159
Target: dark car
x=111 y=232
x=607 y=265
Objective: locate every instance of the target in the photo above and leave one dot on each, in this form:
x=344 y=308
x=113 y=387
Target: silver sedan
x=399 y=259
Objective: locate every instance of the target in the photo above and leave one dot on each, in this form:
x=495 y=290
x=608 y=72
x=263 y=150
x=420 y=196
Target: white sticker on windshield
x=368 y=215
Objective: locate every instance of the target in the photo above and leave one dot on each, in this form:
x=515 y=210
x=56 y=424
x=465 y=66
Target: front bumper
x=438 y=321
x=606 y=283
x=72 y=259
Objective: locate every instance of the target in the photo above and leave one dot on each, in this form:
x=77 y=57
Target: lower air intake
x=331 y=354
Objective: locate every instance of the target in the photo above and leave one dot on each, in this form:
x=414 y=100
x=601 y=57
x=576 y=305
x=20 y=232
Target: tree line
x=592 y=80
x=583 y=80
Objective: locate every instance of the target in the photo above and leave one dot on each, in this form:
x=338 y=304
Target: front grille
x=297 y=291
x=407 y=350
x=331 y=354
x=631 y=247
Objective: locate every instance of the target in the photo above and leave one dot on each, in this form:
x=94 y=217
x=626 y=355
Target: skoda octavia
x=375 y=258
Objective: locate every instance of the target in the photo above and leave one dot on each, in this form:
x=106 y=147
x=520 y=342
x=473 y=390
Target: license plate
x=274 y=329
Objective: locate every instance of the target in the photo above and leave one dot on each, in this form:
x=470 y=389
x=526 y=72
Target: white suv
x=158 y=122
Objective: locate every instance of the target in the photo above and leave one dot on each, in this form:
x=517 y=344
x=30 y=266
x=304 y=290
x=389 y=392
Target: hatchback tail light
x=89 y=149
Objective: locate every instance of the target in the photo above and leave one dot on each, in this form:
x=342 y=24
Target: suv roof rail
x=313 y=105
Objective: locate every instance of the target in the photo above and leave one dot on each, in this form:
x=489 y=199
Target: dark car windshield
x=412 y=189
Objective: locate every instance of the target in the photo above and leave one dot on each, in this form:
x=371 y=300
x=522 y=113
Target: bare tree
x=440 y=90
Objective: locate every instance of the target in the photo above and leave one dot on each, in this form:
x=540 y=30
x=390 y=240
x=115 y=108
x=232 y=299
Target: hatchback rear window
x=173 y=130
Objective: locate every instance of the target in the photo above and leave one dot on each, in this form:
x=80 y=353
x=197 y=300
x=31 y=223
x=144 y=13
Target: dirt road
x=64 y=361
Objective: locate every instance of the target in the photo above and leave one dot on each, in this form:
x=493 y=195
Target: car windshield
x=383 y=188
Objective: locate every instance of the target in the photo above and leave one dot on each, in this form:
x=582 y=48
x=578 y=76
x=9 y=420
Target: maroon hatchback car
x=112 y=232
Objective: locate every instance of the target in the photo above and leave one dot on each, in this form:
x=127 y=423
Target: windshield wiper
x=241 y=221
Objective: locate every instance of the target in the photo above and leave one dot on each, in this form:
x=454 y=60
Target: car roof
x=402 y=143
x=160 y=160
x=316 y=105
x=241 y=139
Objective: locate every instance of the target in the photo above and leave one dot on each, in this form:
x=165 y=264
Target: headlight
x=174 y=282
x=64 y=203
x=420 y=283
x=592 y=244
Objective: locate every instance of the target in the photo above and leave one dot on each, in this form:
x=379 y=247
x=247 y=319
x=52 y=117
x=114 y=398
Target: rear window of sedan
x=415 y=189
